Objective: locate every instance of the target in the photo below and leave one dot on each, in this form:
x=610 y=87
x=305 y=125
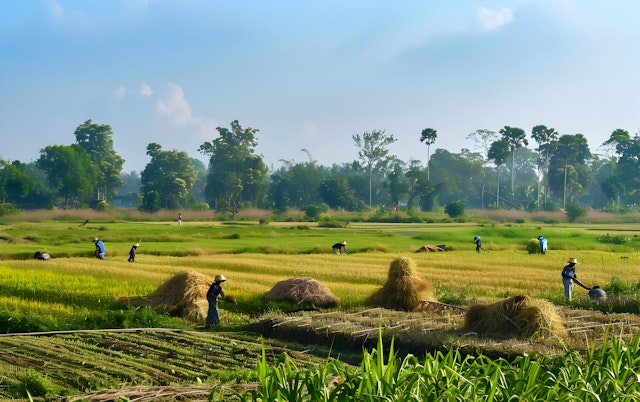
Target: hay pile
x=301 y=290
x=518 y=316
x=533 y=246
x=404 y=290
x=184 y=295
x=430 y=248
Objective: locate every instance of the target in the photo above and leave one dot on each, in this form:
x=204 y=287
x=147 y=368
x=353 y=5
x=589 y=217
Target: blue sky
x=309 y=74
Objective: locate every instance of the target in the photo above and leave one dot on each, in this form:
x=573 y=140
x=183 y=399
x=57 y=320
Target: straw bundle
x=404 y=290
x=518 y=316
x=184 y=295
x=300 y=290
x=533 y=246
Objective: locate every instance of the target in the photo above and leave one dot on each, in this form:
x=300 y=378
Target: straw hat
x=136 y=245
x=220 y=278
x=344 y=242
x=573 y=261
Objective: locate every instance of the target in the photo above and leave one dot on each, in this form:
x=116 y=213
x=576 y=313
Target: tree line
x=498 y=171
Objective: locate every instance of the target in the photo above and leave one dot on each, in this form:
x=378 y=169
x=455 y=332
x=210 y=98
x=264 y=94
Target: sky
x=309 y=75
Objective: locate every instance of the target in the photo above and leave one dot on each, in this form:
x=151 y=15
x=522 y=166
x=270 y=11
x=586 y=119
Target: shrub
x=575 y=211
x=455 y=209
x=314 y=211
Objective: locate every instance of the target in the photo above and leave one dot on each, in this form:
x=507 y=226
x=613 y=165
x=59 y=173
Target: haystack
x=404 y=290
x=518 y=316
x=184 y=295
x=300 y=290
x=430 y=248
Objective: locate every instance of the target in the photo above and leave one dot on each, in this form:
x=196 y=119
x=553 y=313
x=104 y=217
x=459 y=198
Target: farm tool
x=595 y=292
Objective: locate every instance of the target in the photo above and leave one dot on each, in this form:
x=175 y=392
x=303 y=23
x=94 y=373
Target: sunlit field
x=256 y=256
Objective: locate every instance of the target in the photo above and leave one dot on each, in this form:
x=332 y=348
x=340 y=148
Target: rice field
x=75 y=291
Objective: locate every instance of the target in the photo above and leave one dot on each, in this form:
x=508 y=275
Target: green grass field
x=74 y=290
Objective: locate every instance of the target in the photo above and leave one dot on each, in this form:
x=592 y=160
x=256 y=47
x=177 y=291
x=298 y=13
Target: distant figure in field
x=338 y=247
x=568 y=276
x=543 y=244
x=132 y=252
x=179 y=219
x=100 y=249
x=41 y=256
x=215 y=291
x=476 y=240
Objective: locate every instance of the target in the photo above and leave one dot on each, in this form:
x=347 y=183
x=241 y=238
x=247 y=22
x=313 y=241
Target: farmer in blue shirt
x=543 y=244
x=568 y=276
x=215 y=291
x=100 y=250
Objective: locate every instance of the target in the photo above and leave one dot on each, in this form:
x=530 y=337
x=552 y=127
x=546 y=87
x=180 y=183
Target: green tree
x=236 y=174
x=171 y=174
x=428 y=136
x=70 y=170
x=482 y=140
x=568 y=172
x=397 y=182
x=374 y=153
x=515 y=138
x=336 y=193
x=419 y=186
x=15 y=183
x=498 y=153
x=97 y=141
x=544 y=136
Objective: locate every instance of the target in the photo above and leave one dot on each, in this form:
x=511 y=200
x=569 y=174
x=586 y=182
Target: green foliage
x=171 y=174
x=606 y=373
x=7 y=209
x=314 y=211
x=575 y=211
x=236 y=174
x=455 y=209
x=609 y=239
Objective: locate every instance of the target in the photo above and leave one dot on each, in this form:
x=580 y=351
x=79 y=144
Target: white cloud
x=490 y=20
x=121 y=92
x=175 y=106
x=55 y=11
x=178 y=110
x=145 y=90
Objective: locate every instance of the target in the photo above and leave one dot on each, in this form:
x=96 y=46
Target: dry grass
x=404 y=290
x=301 y=290
x=184 y=295
x=518 y=316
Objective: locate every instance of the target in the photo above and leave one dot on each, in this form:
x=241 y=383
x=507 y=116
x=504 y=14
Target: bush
x=7 y=209
x=575 y=211
x=455 y=209
x=314 y=211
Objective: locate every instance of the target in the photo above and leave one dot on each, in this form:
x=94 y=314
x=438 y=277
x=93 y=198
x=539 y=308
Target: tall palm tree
x=428 y=136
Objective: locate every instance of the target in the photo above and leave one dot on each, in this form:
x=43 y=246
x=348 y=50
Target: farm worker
x=338 y=247
x=41 y=256
x=100 y=250
x=476 y=240
x=568 y=276
x=132 y=252
x=215 y=291
x=543 y=244
x=179 y=219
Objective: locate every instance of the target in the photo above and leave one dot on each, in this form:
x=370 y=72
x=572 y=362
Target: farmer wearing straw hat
x=132 y=252
x=215 y=291
x=338 y=247
x=568 y=276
